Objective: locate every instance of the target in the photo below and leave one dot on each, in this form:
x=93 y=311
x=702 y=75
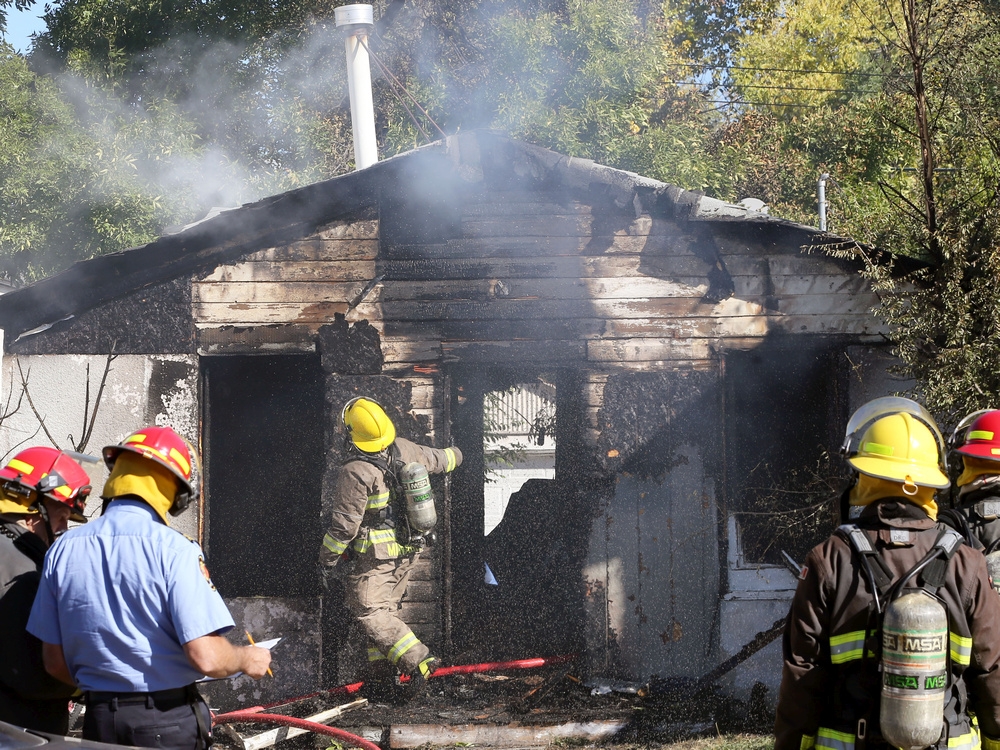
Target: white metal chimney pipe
x=821 y=194
x=357 y=22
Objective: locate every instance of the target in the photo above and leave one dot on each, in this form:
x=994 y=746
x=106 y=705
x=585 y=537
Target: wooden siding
x=529 y=279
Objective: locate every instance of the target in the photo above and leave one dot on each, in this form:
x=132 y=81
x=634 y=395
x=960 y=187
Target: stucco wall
x=139 y=390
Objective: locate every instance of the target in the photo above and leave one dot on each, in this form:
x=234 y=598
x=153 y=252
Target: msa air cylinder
x=419 y=498
x=914 y=671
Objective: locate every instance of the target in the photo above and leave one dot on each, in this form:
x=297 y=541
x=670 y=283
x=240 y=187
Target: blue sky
x=22 y=24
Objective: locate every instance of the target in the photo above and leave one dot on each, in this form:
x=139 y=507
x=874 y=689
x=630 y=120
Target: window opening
x=519 y=442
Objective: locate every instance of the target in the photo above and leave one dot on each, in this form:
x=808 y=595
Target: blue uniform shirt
x=120 y=595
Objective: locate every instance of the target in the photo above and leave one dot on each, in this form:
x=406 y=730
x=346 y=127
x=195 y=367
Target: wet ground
x=649 y=715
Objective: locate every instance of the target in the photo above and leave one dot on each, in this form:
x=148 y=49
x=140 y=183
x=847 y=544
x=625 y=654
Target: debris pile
x=548 y=705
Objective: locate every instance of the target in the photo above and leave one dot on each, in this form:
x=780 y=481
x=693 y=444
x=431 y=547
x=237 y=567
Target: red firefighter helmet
x=40 y=472
x=982 y=438
x=165 y=447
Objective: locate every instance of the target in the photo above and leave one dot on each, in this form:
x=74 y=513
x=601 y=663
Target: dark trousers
x=174 y=719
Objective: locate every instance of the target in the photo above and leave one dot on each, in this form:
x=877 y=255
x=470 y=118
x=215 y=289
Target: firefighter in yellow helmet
x=846 y=687
x=376 y=542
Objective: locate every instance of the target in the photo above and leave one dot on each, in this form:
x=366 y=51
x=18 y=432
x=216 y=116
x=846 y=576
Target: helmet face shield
x=896 y=439
x=166 y=448
x=978 y=435
x=40 y=472
x=871 y=412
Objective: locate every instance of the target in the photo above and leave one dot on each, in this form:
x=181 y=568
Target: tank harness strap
x=957 y=521
x=875 y=570
x=933 y=575
x=389 y=463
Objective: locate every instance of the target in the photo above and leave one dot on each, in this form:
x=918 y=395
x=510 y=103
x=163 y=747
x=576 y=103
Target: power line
x=779 y=88
x=731 y=103
x=781 y=70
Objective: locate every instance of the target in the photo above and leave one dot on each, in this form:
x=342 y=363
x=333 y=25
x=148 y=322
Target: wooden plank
x=504 y=309
x=274 y=736
x=404 y=350
x=305 y=292
x=543 y=206
x=422 y=591
x=498 y=330
x=633 y=284
x=548 y=288
x=422 y=392
x=241 y=313
x=647 y=350
x=561 y=224
x=366 y=229
x=493 y=735
x=295 y=270
x=318 y=250
x=414 y=612
x=551 y=225
x=536 y=267
x=485 y=291
x=474 y=351
x=663 y=307
x=425 y=568
x=531 y=247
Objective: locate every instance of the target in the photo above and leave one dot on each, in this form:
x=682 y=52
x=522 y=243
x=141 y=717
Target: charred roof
x=440 y=168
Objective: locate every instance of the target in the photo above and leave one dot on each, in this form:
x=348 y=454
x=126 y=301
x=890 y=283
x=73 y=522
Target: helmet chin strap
x=43 y=513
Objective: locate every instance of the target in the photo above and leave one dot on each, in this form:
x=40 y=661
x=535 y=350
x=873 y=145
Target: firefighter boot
x=417 y=685
x=380 y=683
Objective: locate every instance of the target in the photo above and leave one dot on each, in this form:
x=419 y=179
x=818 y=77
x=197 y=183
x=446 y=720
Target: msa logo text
x=912 y=682
x=912 y=645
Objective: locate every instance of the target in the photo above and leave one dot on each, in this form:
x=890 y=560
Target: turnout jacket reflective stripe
x=828 y=685
x=358 y=487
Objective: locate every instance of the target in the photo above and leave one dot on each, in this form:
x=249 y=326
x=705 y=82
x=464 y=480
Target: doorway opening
x=519 y=442
x=264 y=459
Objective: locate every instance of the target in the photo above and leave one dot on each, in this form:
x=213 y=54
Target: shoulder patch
x=204 y=571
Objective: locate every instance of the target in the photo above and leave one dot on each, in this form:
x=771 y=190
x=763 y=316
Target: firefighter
x=832 y=694
x=126 y=609
x=41 y=490
x=976 y=506
x=371 y=535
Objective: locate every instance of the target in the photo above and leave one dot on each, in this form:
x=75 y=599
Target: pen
x=250 y=638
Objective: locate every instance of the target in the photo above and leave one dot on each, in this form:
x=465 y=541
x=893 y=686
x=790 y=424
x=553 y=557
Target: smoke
x=202 y=122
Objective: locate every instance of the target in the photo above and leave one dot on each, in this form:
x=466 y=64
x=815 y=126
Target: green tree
x=81 y=175
x=944 y=210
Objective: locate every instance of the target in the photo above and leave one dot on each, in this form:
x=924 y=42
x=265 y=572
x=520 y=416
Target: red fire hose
x=489 y=666
x=252 y=715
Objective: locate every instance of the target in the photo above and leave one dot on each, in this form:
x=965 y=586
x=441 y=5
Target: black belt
x=162 y=699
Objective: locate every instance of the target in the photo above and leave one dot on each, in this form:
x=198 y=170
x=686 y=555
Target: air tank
x=420 y=509
x=993 y=567
x=914 y=671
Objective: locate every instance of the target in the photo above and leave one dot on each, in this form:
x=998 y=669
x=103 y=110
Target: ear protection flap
x=185 y=497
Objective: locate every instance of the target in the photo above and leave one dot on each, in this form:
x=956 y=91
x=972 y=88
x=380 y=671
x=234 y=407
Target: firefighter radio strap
x=912 y=646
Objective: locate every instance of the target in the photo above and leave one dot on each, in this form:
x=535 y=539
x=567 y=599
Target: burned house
x=702 y=359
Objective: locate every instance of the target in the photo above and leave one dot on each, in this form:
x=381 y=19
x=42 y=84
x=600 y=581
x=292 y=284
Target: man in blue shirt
x=127 y=612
